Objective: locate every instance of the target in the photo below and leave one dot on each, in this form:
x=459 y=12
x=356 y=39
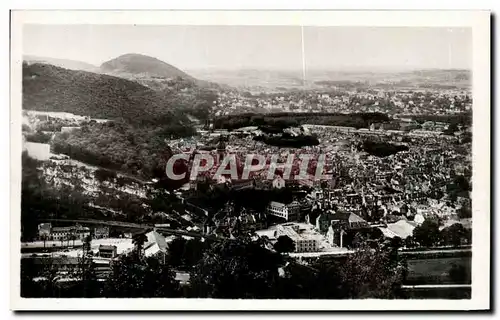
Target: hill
x=63 y=63
x=142 y=65
x=50 y=88
x=152 y=72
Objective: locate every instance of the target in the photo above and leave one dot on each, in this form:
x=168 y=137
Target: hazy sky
x=263 y=47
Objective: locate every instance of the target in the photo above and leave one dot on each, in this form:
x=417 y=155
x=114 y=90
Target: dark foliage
x=427 y=234
x=275 y=121
x=287 y=141
x=134 y=277
x=38 y=137
x=284 y=244
x=236 y=269
x=382 y=149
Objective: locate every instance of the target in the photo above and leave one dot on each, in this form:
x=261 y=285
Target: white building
x=305 y=239
x=67 y=233
x=288 y=212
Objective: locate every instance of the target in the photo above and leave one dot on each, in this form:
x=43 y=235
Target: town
x=405 y=180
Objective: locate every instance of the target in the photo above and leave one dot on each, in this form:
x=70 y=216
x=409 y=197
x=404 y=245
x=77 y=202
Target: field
x=437 y=270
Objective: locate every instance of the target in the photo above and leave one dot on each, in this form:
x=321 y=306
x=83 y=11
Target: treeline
x=464 y=119
x=38 y=137
x=287 y=141
x=231 y=269
x=428 y=235
x=291 y=119
x=382 y=149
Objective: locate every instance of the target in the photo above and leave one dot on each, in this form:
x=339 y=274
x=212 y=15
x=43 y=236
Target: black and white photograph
x=280 y=161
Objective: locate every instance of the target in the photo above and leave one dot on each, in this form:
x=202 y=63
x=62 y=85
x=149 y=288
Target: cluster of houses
x=47 y=232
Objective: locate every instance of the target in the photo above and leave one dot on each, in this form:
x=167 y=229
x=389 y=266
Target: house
x=66 y=233
x=81 y=232
x=156 y=244
x=61 y=233
x=288 y=212
x=101 y=232
x=107 y=251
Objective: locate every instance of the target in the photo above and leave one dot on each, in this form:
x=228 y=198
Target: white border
x=478 y=21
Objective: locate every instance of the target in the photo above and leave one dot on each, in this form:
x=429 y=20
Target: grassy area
x=437 y=270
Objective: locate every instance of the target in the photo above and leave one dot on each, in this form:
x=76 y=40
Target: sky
x=257 y=47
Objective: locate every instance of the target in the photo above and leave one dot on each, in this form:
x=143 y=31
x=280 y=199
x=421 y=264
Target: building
x=305 y=240
x=289 y=212
x=324 y=220
x=106 y=251
x=38 y=151
x=61 y=233
x=342 y=222
x=66 y=233
x=156 y=245
x=101 y=232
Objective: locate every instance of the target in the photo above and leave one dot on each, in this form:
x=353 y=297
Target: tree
x=284 y=244
x=86 y=271
x=49 y=276
x=236 y=269
x=132 y=277
x=452 y=128
x=455 y=235
x=44 y=239
x=464 y=212
x=427 y=234
x=193 y=251
x=138 y=240
x=176 y=252
x=371 y=273
x=73 y=238
x=409 y=242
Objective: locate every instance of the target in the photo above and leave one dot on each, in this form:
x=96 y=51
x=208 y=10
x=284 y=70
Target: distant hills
x=63 y=63
x=288 y=79
x=146 y=70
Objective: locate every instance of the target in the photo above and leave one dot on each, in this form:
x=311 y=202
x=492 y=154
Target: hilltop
x=62 y=63
x=142 y=65
x=152 y=72
x=50 y=88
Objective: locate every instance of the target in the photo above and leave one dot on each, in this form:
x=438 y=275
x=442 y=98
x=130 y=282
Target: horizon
x=289 y=48
x=378 y=69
